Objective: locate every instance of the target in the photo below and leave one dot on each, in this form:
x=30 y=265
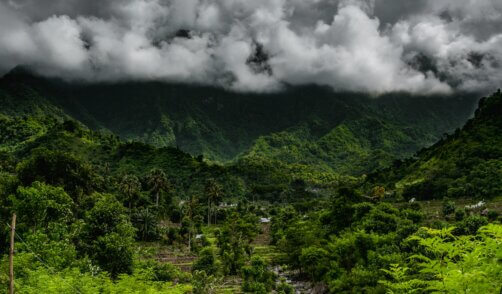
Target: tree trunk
x=157 y=199
x=208 y=211
x=11 y=254
x=189 y=241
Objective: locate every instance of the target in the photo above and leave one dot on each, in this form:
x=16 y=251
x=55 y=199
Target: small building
x=264 y=220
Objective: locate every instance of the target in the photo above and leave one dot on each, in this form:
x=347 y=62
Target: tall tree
x=158 y=182
x=213 y=193
x=130 y=186
x=189 y=209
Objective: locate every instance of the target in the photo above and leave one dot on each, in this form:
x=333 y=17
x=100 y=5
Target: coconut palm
x=158 y=182
x=130 y=186
x=213 y=193
x=189 y=209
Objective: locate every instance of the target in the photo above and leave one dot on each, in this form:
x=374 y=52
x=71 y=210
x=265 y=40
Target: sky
x=371 y=46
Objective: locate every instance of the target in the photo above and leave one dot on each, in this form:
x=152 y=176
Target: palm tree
x=213 y=193
x=158 y=182
x=130 y=186
x=189 y=209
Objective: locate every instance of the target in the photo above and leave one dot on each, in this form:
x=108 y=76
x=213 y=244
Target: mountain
x=92 y=198
x=467 y=163
x=344 y=133
x=25 y=114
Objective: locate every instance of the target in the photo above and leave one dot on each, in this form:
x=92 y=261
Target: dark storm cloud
x=391 y=11
x=355 y=45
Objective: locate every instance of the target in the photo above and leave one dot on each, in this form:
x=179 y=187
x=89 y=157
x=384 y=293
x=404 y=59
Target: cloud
x=378 y=46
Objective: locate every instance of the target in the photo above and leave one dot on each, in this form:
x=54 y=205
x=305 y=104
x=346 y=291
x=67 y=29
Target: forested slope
x=304 y=125
x=100 y=214
x=467 y=163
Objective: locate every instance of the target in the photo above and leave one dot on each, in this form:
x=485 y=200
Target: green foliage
x=159 y=272
x=70 y=187
x=256 y=277
x=107 y=236
x=467 y=163
x=284 y=288
x=234 y=240
x=204 y=283
x=308 y=128
x=71 y=280
x=448 y=207
x=39 y=205
x=470 y=225
x=145 y=220
x=314 y=262
x=207 y=262
x=157 y=180
x=58 y=169
x=341 y=212
x=449 y=264
x=130 y=187
x=347 y=259
x=52 y=246
x=459 y=214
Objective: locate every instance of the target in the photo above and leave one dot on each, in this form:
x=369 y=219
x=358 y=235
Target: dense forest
x=345 y=194
x=311 y=126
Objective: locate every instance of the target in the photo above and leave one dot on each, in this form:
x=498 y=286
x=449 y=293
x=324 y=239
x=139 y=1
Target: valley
x=286 y=193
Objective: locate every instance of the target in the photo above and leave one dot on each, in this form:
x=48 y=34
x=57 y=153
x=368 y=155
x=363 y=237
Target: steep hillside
x=467 y=163
x=25 y=114
x=309 y=125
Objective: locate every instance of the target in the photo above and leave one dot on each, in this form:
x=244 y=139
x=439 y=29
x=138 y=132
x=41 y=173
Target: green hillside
x=467 y=163
x=287 y=212
x=24 y=114
x=308 y=125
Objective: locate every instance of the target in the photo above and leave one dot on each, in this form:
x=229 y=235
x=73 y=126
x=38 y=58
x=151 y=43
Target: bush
x=108 y=236
x=380 y=222
x=284 y=287
x=40 y=204
x=204 y=283
x=415 y=216
x=492 y=215
x=160 y=272
x=207 y=262
x=443 y=263
x=58 y=169
x=314 y=261
x=448 y=207
x=256 y=276
x=470 y=225
x=459 y=214
x=361 y=209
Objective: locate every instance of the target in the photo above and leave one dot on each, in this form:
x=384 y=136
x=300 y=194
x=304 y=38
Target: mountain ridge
x=311 y=125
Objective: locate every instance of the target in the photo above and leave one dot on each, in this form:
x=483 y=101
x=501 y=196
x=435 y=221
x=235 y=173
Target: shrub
x=315 y=262
x=459 y=214
x=448 y=207
x=207 y=262
x=492 y=215
x=256 y=276
x=470 y=225
x=108 y=236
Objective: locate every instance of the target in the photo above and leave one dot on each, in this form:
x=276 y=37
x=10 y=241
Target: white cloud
x=349 y=54
x=350 y=45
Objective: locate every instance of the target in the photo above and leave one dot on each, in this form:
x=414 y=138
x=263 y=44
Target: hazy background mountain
x=310 y=125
